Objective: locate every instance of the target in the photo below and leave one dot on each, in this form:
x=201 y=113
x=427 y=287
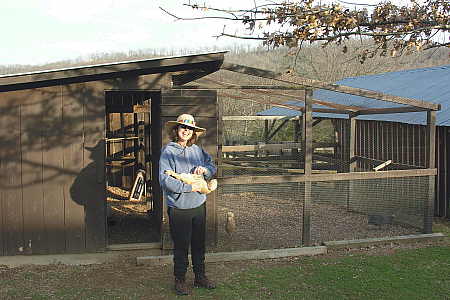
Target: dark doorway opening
x=131 y=215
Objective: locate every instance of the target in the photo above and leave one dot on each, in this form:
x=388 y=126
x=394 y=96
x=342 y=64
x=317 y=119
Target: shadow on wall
x=90 y=180
x=88 y=190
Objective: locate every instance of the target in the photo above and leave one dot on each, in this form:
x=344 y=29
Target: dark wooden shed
x=53 y=128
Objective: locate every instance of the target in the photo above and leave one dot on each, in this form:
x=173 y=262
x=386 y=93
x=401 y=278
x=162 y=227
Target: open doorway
x=131 y=216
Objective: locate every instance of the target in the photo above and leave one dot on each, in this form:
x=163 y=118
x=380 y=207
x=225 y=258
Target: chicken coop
x=80 y=148
x=79 y=152
x=299 y=171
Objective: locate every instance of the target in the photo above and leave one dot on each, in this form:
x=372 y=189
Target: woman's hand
x=200 y=170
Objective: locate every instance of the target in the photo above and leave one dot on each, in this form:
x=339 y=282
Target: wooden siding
x=442 y=204
x=31 y=169
x=52 y=151
x=405 y=145
x=73 y=116
x=49 y=197
x=11 y=181
x=94 y=169
x=53 y=166
x=341 y=150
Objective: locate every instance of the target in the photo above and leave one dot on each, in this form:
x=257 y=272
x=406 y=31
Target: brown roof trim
x=206 y=62
x=289 y=78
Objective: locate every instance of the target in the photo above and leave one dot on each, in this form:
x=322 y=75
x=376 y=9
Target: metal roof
x=429 y=84
x=204 y=63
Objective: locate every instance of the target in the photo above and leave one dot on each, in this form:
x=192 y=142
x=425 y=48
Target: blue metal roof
x=427 y=84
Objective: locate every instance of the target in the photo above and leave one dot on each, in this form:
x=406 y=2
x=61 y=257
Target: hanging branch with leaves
x=394 y=29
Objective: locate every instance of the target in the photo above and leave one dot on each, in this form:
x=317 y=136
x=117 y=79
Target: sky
x=37 y=32
x=42 y=31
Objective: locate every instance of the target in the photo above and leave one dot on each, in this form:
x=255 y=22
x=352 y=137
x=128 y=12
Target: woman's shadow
x=88 y=190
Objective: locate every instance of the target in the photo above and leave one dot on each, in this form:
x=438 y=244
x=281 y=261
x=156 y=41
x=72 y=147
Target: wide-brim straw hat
x=186 y=119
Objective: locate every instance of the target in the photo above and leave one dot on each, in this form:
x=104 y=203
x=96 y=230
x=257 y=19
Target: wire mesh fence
x=267 y=216
x=265 y=141
x=367 y=208
x=270 y=215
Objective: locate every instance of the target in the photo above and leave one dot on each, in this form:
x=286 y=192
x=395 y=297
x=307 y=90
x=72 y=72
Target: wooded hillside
x=315 y=62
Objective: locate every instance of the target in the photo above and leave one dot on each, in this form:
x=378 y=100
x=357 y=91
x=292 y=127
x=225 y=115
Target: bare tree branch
x=357 y=4
x=394 y=29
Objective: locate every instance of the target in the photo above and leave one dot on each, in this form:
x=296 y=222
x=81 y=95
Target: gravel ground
x=265 y=222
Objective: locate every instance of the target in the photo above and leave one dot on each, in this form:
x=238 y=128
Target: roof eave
x=208 y=62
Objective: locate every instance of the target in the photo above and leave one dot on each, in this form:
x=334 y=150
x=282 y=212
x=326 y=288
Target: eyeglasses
x=185 y=127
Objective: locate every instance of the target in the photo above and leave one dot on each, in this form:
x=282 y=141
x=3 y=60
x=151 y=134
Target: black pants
x=187 y=228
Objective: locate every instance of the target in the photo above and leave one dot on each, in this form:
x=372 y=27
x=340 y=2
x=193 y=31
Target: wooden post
x=429 y=203
x=219 y=163
x=136 y=145
x=147 y=155
x=266 y=131
x=307 y=146
x=351 y=158
x=352 y=145
x=300 y=134
x=297 y=131
x=157 y=128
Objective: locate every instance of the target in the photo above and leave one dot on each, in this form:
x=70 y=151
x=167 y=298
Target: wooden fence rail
x=271 y=147
x=326 y=177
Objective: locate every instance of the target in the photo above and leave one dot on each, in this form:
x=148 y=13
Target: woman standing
x=186 y=206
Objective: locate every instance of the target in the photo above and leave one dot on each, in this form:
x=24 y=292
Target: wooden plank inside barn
x=128 y=135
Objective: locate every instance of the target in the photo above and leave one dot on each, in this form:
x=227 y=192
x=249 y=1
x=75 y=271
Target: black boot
x=181 y=287
x=203 y=282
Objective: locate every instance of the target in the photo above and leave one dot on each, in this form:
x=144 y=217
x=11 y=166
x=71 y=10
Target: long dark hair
x=173 y=135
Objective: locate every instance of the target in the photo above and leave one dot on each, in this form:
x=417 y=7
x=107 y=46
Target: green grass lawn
x=411 y=274
x=391 y=272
